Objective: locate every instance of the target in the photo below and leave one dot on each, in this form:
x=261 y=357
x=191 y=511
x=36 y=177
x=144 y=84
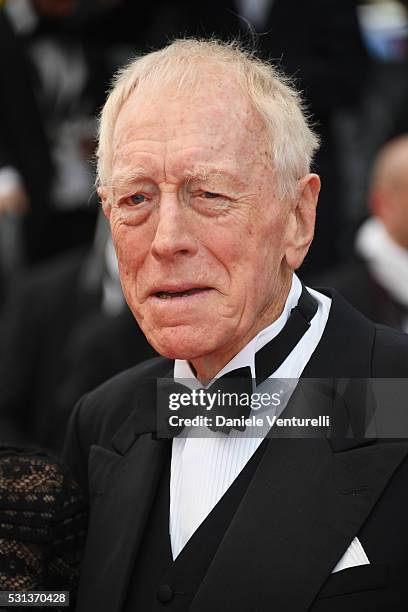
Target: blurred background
x=64 y=326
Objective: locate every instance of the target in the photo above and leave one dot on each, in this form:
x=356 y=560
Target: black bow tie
x=176 y=402
x=235 y=385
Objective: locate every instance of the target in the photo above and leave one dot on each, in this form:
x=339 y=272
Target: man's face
x=199 y=233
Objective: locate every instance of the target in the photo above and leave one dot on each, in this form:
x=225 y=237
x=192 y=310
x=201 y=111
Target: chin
x=178 y=345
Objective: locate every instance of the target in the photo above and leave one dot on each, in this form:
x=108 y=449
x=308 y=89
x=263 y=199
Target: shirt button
x=165 y=593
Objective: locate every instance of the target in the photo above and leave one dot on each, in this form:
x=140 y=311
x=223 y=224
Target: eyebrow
x=206 y=171
x=129 y=175
x=197 y=172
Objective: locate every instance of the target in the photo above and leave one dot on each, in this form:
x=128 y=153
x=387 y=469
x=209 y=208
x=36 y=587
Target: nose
x=174 y=236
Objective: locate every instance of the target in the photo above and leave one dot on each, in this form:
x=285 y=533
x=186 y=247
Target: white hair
x=291 y=140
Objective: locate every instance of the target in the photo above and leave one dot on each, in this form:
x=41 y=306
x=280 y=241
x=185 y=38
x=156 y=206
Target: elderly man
x=204 y=160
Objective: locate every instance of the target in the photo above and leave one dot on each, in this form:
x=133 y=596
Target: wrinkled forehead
x=190 y=80
x=212 y=101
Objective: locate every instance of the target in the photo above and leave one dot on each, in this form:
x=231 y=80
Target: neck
x=400 y=239
x=208 y=366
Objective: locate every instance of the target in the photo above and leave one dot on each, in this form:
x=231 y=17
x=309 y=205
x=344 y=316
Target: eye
x=137 y=198
x=210 y=195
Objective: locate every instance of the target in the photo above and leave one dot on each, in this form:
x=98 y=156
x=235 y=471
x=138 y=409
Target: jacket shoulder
x=116 y=395
x=352 y=346
x=149 y=369
x=99 y=414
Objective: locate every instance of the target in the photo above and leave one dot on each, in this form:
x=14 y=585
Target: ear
x=104 y=196
x=379 y=201
x=302 y=222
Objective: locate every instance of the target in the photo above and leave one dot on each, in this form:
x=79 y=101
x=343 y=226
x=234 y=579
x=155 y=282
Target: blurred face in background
x=389 y=194
x=205 y=248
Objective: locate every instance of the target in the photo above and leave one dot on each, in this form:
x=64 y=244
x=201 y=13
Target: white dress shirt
x=203 y=468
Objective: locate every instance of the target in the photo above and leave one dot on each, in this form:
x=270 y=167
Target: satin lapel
x=301 y=511
x=123 y=483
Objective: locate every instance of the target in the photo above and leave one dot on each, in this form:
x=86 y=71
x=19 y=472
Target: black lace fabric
x=42 y=524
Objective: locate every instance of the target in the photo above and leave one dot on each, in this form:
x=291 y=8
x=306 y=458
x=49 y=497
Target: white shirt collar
x=386 y=260
x=246 y=357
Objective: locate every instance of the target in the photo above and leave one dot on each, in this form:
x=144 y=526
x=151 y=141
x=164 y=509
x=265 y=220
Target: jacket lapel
x=300 y=513
x=123 y=482
x=338 y=354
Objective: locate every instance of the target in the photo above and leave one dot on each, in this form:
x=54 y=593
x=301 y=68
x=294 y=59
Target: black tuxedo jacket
x=306 y=502
x=355 y=282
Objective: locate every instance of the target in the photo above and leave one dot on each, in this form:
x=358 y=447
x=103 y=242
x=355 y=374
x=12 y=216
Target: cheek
x=269 y=238
x=265 y=253
x=249 y=251
x=131 y=247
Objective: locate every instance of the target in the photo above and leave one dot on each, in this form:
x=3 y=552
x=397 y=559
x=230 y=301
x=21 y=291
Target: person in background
x=43 y=520
x=52 y=79
x=375 y=281
x=65 y=328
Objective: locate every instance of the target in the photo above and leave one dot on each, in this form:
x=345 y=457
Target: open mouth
x=166 y=295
